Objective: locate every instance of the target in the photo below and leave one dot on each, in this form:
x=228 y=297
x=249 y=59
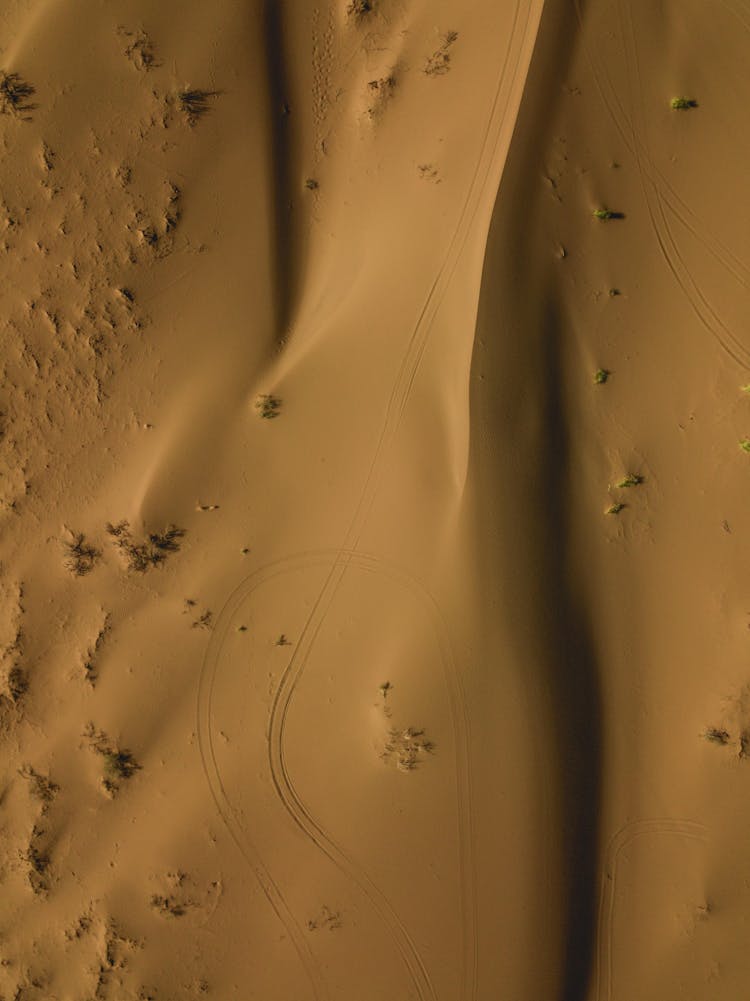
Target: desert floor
x=373 y=515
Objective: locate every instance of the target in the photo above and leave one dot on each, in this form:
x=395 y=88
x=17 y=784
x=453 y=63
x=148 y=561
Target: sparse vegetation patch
x=439 y=61
x=41 y=787
x=139 y=49
x=631 y=480
x=268 y=406
x=605 y=213
x=682 y=103
x=407 y=748
x=194 y=104
x=14 y=95
x=380 y=92
x=359 y=9
x=331 y=920
x=167 y=906
x=17 y=683
x=90 y=669
x=38 y=862
x=118 y=764
x=600 y=376
x=151 y=552
x=716 y=735
x=204 y=621
x=80 y=555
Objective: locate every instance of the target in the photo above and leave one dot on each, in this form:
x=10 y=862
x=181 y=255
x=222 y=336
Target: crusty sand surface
x=374 y=618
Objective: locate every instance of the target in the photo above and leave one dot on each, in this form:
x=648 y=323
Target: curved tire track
x=701 y=307
x=620 y=840
x=403 y=941
x=346 y=555
x=658 y=195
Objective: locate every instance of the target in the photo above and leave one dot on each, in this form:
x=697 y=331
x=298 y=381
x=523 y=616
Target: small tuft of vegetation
x=41 y=788
x=682 y=103
x=605 y=213
x=204 y=621
x=716 y=735
x=407 y=748
x=631 y=480
x=118 y=764
x=80 y=555
x=600 y=376
x=17 y=684
x=168 y=906
x=194 y=104
x=745 y=444
x=38 y=862
x=15 y=94
x=358 y=9
x=381 y=91
x=90 y=669
x=614 y=508
x=745 y=389
x=140 y=51
x=141 y=556
x=439 y=61
x=269 y=406
x=326 y=919
x=311 y=184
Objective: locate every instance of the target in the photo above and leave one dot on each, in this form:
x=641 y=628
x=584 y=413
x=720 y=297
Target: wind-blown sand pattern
x=374 y=429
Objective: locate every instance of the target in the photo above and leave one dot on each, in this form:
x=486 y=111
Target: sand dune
x=373 y=430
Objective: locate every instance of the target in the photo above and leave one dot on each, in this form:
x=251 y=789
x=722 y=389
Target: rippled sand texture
x=374 y=616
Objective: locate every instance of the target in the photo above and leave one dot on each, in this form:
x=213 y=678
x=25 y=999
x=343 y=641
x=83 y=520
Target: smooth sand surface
x=374 y=618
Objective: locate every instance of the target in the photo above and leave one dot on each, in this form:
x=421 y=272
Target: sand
x=374 y=619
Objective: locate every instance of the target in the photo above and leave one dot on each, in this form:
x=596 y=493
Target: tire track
x=625 y=836
x=654 y=185
x=399 y=395
x=322 y=839
x=655 y=205
x=229 y=816
x=608 y=93
x=345 y=556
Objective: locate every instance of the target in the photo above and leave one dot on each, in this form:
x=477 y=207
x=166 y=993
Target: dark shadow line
x=573 y=682
x=535 y=457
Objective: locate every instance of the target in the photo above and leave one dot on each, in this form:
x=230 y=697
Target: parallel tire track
x=619 y=841
x=403 y=941
x=346 y=556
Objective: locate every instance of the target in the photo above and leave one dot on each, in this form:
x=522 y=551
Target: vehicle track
x=708 y=317
x=230 y=817
x=403 y=941
x=621 y=839
x=677 y=205
x=395 y=409
x=659 y=196
x=346 y=555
